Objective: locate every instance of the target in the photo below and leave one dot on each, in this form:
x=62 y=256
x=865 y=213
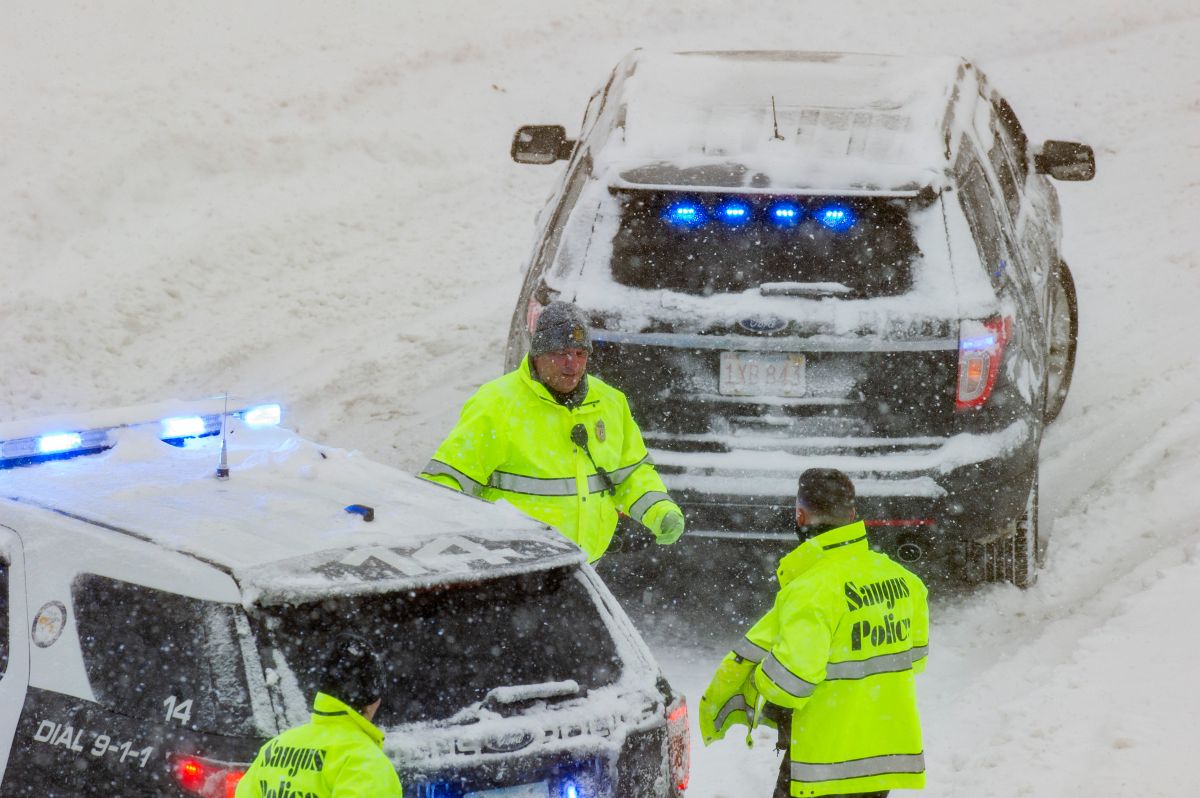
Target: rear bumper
x=963 y=487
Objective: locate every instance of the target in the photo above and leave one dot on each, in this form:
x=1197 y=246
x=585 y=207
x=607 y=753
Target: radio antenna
x=223 y=467
x=775 y=118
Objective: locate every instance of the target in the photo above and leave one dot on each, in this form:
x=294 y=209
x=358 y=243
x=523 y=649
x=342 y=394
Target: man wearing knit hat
x=340 y=751
x=558 y=443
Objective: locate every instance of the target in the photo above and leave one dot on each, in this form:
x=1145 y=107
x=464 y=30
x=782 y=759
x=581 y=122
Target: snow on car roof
x=279 y=524
x=845 y=121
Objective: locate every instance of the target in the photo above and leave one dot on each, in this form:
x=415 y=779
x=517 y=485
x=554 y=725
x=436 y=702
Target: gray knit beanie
x=561 y=326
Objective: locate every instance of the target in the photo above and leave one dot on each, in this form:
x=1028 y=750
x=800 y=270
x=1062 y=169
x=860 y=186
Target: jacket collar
x=530 y=378
x=841 y=541
x=329 y=710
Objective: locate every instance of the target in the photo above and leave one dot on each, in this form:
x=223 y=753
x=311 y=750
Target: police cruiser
x=169 y=576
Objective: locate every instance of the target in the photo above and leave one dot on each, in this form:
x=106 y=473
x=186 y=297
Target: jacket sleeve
x=641 y=493
x=729 y=699
x=796 y=663
x=476 y=446
x=920 y=635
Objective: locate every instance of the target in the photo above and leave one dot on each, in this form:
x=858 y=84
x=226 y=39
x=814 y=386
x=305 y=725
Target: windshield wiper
x=525 y=694
x=804 y=289
x=511 y=700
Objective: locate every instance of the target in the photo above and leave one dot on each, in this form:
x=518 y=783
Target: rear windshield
x=446 y=647
x=165 y=658
x=711 y=244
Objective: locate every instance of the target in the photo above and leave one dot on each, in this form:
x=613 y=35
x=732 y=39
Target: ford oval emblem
x=762 y=324
x=509 y=742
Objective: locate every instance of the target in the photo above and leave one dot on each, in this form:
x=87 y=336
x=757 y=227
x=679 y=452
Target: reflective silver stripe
x=919 y=652
x=559 y=486
x=858 y=669
x=648 y=500
x=788 y=682
x=748 y=650
x=859 y=768
x=437 y=468
x=622 y=474
x=596 y=484
x=735 y=704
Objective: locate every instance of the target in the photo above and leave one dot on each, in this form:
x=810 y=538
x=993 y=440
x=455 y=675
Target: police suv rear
x=799 y=260
x=162 y=622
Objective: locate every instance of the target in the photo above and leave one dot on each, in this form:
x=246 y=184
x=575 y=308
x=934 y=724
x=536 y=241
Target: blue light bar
x=22 y=444
x=570 y=790
x=734 y=212
x=785 y=214
x=685 y=213
x=58 y=442
x=837 y=218
x=183 y=427
x=262 y=415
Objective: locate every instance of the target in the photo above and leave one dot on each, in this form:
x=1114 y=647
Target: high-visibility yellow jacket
x=338 y=754
x=513 y=442
x=839 y=648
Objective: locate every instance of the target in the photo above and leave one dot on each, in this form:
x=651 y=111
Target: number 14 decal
x=178 y=710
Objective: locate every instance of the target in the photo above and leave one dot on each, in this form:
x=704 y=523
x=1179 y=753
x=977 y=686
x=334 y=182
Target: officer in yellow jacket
x=339 y=753
x=558 y=443
x=832 y=664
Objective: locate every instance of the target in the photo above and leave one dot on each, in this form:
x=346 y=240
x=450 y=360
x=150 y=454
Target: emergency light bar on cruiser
x=30 y=442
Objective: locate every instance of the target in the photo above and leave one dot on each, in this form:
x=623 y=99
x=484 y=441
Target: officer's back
x=339 y=753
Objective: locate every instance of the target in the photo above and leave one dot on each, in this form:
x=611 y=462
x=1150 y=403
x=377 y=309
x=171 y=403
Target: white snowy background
x=314 y=201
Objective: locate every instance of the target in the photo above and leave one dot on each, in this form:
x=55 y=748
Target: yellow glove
x=670 y=529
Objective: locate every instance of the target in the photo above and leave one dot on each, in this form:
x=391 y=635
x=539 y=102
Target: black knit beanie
x=561 y=326
x=352 y=672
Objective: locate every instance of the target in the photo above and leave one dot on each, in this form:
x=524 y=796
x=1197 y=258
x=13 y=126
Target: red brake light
x=231 y=782
x=679 y=744
x=206 y=777
x=980 y=350
x=191 y=775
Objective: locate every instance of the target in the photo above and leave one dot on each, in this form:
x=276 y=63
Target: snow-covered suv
x=820 y=259
x=159 y=623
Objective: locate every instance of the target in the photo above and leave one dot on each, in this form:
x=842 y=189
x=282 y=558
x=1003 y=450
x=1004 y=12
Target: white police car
x=160 y=623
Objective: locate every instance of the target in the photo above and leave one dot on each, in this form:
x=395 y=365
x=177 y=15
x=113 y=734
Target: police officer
x=339 y=753
x=558 y=443
x=832 y=664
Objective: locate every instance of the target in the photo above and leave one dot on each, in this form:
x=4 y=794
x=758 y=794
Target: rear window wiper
x=512 y=700
x=804 y=289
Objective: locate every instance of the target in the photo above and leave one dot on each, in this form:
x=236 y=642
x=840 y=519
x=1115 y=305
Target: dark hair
x=827 y=494
x=352 y=672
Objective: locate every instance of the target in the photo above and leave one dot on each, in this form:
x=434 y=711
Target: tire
x=1063 y=329
x=1011 y=555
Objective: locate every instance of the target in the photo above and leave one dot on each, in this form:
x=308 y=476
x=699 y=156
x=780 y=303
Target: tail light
x=207 y=777
x=533 y=310
x=980 y=350
x=679 y=744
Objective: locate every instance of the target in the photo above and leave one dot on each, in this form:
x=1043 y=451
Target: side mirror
x=1066 y=160
x=541 y=144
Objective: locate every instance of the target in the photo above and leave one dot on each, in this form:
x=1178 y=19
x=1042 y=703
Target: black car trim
x=739 y=343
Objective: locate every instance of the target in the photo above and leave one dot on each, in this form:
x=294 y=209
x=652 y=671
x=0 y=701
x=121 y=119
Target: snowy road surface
x=315 y=201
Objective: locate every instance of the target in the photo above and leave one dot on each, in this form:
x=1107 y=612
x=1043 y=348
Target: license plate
x=536 y=790
x=762 y=374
